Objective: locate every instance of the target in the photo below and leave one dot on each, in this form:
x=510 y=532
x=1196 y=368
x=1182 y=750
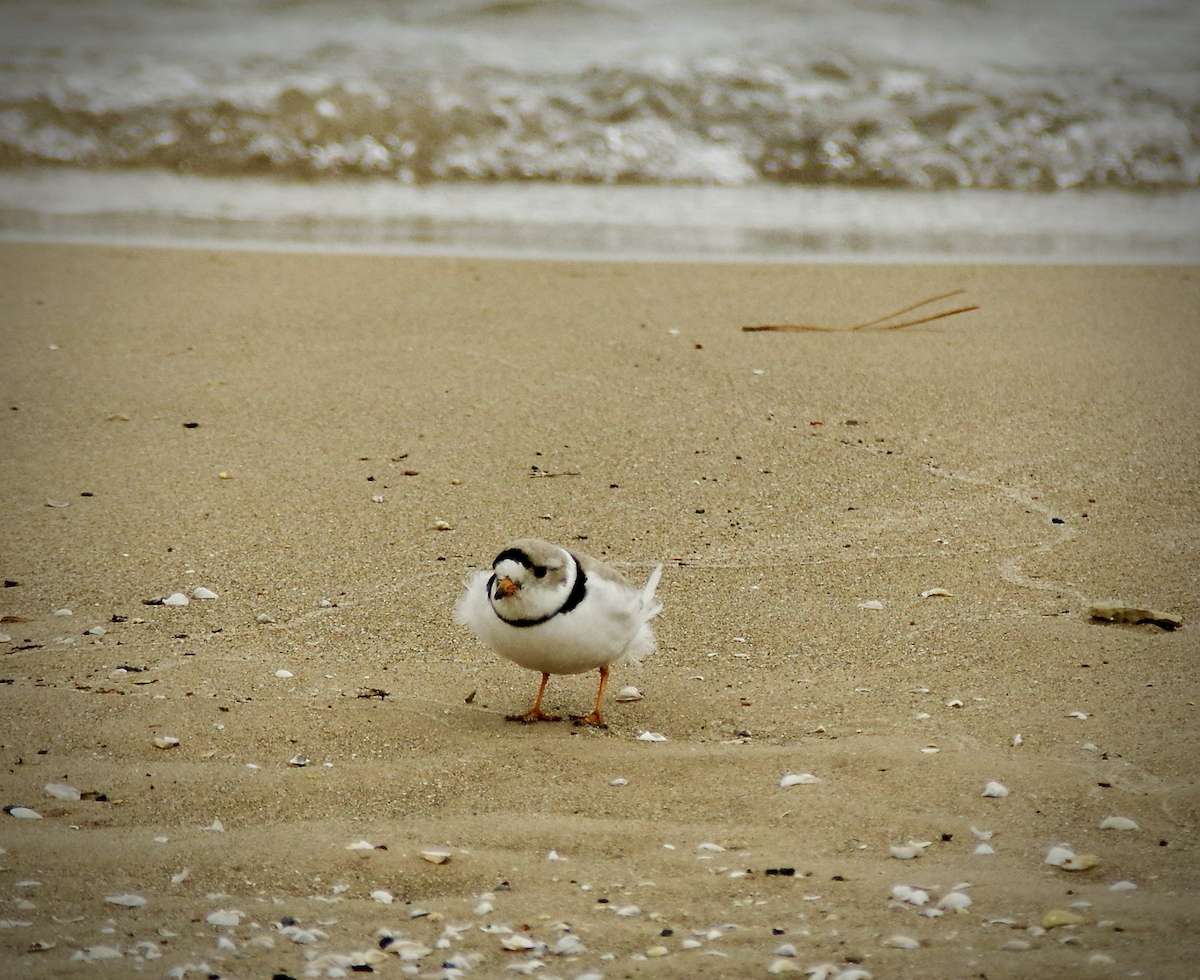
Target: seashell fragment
x=382 y=895
x=176 y=599
x=995 y=789
x=954 y=902
x=360 y=845
x=901 y=942
x=95 y=631
x=181 y=876
x=127 y=900
x=203 y=593
x=1118 y=612
x=619 y=782
x=649 y=736
x=984 y=849
x=1077 y=714
x=22 y=813
x=555 y=856
x=1108 y=823
x=514 y=941
x=982 y=834
x=93 y=954
x=298 y=761
x=224 y=917
x=629 y=911
x=629 y=693
x=568 y=945
x=799 y=779
x=264 y=619
x=284 y=673
x=906 y=852
x=656 y=951
x=1080 y=862
x=63 y=612
x=165 y=741
x=215 y=825
x=781 y=965
x=1058 y=855
x=932 y=592
x=56 y=503
x=1061 y=917
x=871 y=604
x=435 y=857
x=1017 y=945
x=1122 y=886
x=787 y=949
x=910 y=895
x=709 y=846
x=61 y=791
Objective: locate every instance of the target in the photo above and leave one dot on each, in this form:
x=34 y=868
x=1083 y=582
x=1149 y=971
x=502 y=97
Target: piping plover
x=559 y=612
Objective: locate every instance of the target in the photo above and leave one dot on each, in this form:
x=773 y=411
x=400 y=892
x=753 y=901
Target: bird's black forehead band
x=513 y=554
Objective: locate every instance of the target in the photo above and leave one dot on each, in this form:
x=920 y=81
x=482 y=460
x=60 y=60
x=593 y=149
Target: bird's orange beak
x=506 y=587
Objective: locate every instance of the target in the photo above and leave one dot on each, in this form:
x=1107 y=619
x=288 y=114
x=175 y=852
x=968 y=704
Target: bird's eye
x=539 y=571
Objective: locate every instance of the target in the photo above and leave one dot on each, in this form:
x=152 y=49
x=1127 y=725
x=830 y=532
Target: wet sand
x=288 y=430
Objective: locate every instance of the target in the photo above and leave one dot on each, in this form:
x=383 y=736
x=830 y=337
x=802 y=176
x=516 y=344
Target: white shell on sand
x=1122 y=886
x=985 y=849
x=436 y=857
x=203 y=593
x=176 y=599
x=995 y=789
x=23 y=813
x=781 y=965
x=982 y=834
x=382 y=895
x=871 y=604
x=629 y=693
x=1058 y=855
x=1108 y=823
x=954 y=901
x=910 y=895
x=799 y=779
x=651 y=737
x=127 y=900
x=224 y=917
x=61 y=791
x=284 y=673
x=165 y=741
x=360 y=845
x=901 y=942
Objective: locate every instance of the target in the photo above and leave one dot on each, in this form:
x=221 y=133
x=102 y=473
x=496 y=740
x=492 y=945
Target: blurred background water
x=925 y=129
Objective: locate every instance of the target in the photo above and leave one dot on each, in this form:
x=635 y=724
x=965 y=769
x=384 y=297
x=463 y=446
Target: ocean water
x=1051 y=130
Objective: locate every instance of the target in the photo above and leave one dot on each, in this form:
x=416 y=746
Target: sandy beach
x=879 y=549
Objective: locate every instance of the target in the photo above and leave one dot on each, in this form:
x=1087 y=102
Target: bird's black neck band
x=578 y=591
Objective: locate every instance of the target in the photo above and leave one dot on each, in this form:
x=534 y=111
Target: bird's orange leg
x=595 y=717
x=535 y=713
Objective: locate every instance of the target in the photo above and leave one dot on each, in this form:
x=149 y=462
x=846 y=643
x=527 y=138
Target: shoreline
x=580 y=222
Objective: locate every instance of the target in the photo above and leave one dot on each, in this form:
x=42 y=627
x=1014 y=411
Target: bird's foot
x=592 y=719
x=537 y=714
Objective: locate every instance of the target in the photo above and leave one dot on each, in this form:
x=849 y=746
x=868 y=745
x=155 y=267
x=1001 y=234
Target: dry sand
x=1029 y=457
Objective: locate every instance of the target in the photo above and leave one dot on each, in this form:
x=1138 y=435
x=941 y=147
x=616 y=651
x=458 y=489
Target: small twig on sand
x=874 y=323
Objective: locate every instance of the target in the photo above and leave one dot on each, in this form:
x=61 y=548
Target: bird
x=559 y=612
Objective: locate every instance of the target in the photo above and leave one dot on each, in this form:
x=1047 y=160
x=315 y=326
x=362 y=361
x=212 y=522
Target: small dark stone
x=667 y=932
x=777 y=932
x=1162 y=843
x=119 y=619
x=1057 y=520
x=837 y=878
x=191 y=425
x=87 y=493
x=947 y=837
